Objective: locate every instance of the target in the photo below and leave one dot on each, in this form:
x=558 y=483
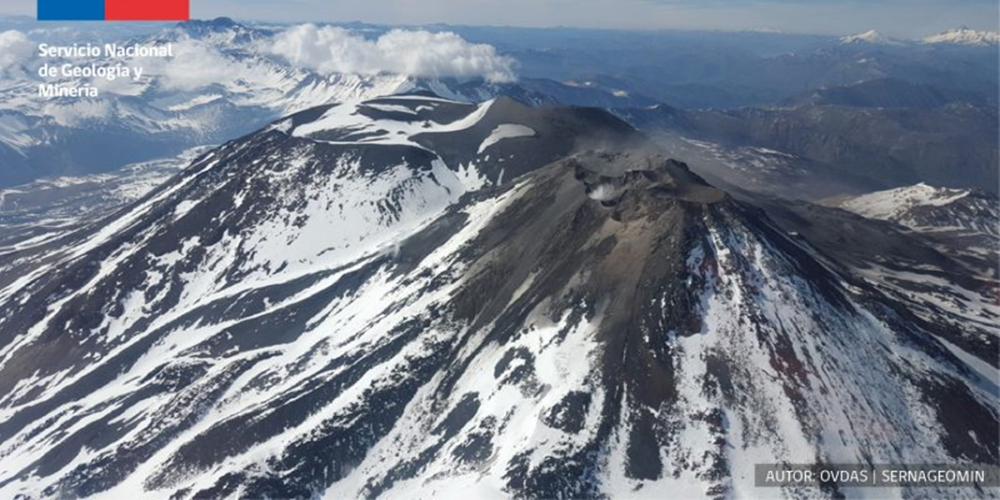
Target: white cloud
x=412 y=53
x=195 y=64
x=15 y=48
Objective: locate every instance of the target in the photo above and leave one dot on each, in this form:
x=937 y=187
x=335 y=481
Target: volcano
x=415 y=297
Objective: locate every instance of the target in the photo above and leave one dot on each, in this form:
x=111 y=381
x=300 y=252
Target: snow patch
x=505 y=131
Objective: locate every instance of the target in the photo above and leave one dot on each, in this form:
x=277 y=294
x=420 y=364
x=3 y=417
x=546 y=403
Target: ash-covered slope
x=417 y=297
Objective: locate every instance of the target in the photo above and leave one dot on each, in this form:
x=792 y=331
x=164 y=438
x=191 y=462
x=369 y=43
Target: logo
x=114 y=10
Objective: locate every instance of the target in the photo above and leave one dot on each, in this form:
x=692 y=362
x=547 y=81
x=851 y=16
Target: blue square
x=70 y=10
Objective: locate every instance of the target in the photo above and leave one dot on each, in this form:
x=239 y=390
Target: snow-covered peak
x=965 y=36
x=894 y=202
x=922 y=206
x=870 y=37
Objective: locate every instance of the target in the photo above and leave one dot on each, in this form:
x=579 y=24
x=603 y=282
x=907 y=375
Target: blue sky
x=902 y=18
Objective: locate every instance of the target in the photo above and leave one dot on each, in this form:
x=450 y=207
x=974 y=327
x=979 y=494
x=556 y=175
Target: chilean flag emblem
x=114 y=10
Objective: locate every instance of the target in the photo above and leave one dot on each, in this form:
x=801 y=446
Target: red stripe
x=147 y=10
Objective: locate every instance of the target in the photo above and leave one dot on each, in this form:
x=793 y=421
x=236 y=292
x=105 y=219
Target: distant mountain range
x=958 y=36
x=952 y=145
x=965 y=36
x=157 y=118
x=622 y=70
x=887 y=93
